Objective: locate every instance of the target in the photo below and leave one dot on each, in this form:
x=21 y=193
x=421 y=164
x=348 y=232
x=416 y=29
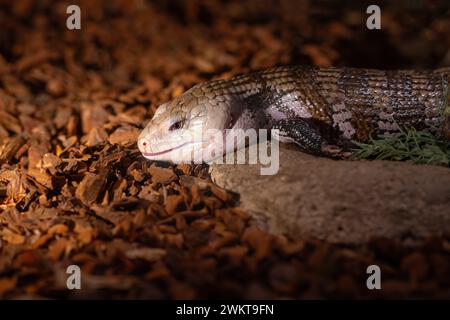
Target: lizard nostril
x=144 y=143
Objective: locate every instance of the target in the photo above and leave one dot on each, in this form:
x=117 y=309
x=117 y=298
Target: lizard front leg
x=308 y=137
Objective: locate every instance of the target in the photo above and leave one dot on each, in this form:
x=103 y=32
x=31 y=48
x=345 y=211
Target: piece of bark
x=96 y=136
x=9 y=149
x=92 y=116
x=162 y=175
x=124 y=135
x=3 y=133
x=92 y=186
x=50 y=162
x=149 y=254
x=10 y=122
x=12 y=237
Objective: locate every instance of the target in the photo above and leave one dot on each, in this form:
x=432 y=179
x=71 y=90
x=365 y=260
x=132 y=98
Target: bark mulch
x=75 y=190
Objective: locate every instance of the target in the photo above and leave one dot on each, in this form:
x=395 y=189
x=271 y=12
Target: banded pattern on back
x=358 y=102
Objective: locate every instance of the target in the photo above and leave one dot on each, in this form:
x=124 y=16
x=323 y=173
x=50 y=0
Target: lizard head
x=183 y=129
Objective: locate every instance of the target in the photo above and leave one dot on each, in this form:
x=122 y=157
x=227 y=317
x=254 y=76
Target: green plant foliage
x=406 y=145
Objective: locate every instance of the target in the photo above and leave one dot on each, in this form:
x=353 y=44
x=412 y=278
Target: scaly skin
x=313 y=107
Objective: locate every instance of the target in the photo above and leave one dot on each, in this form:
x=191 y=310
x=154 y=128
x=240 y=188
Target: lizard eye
x=176 y=125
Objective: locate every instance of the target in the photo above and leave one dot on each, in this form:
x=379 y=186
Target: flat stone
x=342 y=201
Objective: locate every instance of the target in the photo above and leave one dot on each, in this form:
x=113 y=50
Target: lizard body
x=312 y=107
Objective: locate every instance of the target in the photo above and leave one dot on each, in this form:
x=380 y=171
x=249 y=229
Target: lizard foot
x=335 y=152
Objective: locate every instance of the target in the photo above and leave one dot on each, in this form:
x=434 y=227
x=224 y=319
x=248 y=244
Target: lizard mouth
x=154 y=154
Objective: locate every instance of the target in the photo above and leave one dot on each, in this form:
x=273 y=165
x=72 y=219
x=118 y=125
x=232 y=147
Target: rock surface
x=343 y=201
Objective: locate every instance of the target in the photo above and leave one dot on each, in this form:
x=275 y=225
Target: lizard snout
x=143 y=144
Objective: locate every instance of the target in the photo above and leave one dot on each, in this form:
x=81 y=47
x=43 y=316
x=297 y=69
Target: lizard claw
x=335 y=152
